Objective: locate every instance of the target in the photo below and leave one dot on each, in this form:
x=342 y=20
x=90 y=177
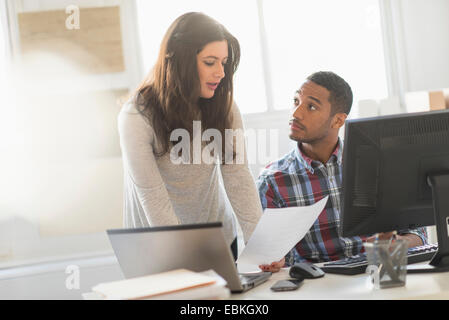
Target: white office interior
x=66 y=66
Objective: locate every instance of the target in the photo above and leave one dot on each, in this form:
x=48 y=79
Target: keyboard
x=357 y=264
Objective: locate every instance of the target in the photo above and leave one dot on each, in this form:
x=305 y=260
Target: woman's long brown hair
x=169 y=97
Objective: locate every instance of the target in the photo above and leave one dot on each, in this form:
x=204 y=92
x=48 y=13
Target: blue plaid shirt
x=296 y=180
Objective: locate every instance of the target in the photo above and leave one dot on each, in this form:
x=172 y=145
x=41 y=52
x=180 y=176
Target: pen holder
x=387 y=263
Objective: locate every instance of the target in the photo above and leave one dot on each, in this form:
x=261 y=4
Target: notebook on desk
x=199 y=247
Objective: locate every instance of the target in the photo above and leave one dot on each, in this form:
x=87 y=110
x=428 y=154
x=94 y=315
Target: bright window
x=239 y=17
x=305 y=36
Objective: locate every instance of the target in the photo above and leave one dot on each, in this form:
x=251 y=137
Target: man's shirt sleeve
x=420 y=232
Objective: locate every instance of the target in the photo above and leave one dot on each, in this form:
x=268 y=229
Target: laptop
x=198 y=247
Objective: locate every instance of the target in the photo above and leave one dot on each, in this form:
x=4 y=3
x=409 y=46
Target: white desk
x=356 y=287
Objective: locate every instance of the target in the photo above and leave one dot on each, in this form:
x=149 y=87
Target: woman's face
x=211 y=61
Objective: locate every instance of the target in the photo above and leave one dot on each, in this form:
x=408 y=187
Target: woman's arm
x=239 y=183
x=136 y=141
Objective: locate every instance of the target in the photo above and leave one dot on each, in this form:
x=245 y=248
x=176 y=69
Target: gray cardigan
x=158 y=192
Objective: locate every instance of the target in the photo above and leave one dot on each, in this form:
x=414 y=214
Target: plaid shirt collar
x=309 y=163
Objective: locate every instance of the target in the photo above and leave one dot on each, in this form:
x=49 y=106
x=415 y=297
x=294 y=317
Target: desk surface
x=356 y=287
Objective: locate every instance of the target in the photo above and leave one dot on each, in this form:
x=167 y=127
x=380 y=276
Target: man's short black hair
x=340 y=92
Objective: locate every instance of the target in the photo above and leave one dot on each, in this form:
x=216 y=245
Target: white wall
x=426 y=43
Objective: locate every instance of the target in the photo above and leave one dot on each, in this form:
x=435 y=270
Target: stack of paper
x=178 y=284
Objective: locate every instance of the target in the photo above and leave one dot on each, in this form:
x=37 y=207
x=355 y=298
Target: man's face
x=311 y=119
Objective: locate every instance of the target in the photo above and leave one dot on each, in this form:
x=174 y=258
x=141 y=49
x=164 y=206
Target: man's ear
x=339 y=120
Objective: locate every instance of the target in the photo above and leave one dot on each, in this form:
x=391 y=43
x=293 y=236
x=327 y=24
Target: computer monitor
x=396 y=177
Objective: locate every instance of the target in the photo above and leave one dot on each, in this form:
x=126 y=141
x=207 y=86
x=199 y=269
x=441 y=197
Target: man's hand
x=274 y=267
x=412 y=239
x=381 y=236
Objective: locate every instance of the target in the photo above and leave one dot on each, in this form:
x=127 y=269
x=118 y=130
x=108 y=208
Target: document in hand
x=164 y=285
x=277 y=232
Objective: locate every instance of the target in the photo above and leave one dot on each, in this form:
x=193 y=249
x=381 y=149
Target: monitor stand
x=439 y=182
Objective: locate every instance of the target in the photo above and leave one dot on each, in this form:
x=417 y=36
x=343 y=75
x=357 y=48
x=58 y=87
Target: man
x=313 y=170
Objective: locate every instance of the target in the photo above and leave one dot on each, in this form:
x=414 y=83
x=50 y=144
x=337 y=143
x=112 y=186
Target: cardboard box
x=437 y=100
x=446 y=97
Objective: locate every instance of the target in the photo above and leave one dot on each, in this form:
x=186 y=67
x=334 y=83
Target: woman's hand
x=274 y=267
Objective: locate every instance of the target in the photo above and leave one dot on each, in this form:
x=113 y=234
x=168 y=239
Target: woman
x=192 y=80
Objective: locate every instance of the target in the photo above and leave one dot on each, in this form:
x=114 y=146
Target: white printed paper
x=277 y=232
